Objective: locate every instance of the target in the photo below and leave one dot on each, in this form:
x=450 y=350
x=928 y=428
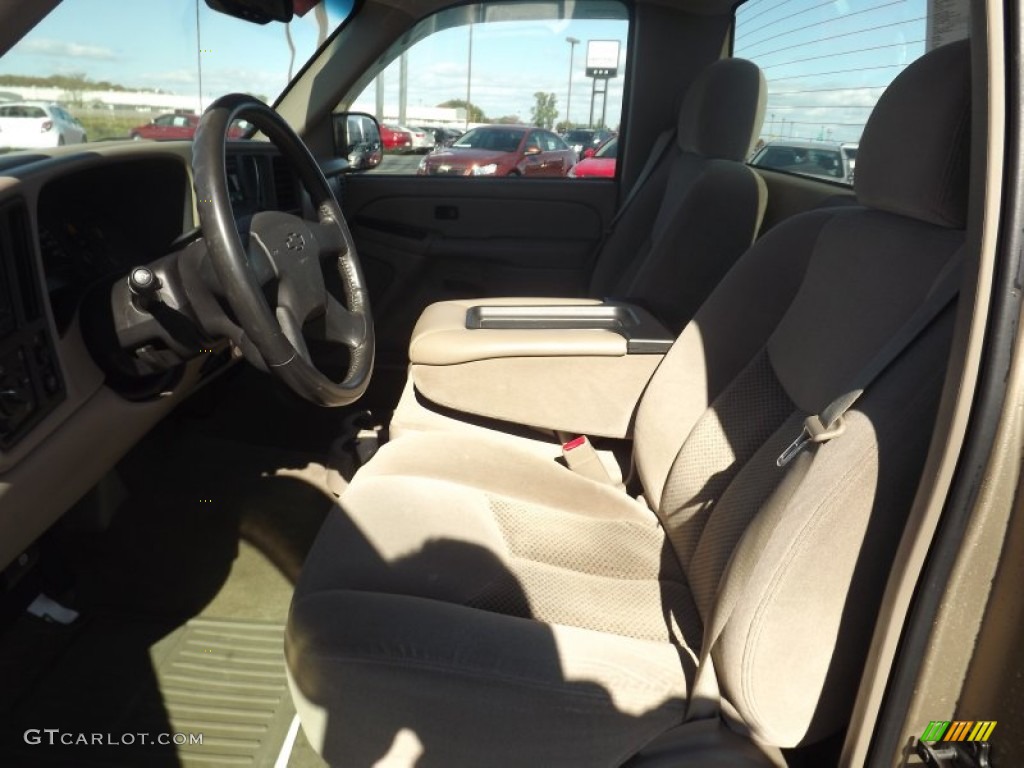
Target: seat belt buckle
x=581 y=457
x=813 y=432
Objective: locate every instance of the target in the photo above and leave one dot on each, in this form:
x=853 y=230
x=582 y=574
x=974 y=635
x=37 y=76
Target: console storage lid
x=572 y=365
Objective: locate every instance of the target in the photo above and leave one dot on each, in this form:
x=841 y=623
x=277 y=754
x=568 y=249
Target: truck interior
x=304 y=462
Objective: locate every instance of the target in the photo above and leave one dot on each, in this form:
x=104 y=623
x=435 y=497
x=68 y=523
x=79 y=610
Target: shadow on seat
x=482 y=647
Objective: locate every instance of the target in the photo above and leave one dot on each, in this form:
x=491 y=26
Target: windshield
x=497 y=139
x=609 y=150
x=140 y=70
x=579 y=136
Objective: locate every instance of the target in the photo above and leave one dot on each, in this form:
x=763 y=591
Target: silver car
x=422 y=138
x=822 y=159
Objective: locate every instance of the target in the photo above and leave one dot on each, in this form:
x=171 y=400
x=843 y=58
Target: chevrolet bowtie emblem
x=295 y=242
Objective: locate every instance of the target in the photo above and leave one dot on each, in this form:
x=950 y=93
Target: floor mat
x=225 y=680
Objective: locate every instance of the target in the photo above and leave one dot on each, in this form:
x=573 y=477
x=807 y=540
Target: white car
x=30 y=125
x=422 y=139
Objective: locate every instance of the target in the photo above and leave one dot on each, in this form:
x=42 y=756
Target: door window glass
x=502 y=65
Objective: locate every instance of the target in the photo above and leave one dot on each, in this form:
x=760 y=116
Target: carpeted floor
x=194 y=574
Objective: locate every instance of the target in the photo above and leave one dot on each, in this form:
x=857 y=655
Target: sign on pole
x=602 y=58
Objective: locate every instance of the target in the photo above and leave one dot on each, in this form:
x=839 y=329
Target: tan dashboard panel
x=82 y=379
x=63 y=467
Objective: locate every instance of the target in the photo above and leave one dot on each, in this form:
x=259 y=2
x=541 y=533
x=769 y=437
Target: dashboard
x=100 y=222
x=73 y=225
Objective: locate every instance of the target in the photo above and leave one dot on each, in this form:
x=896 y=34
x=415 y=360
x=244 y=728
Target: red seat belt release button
x=581 y=458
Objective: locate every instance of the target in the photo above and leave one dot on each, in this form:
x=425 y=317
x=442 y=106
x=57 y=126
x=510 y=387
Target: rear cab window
x=479 y=78
x=826 y=65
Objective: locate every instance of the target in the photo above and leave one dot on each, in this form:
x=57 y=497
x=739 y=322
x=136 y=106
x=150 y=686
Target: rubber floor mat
x=226 y=681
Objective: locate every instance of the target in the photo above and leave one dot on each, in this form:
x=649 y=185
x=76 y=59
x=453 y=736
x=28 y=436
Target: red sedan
x=395 y=139
x=179 y=126
x=502 y=150
x=599 y=164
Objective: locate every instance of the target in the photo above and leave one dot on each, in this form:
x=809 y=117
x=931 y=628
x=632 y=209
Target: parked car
x=422 y=138
x=849 y=151
x=32 y=125
x=599 y=163
x=581 y=139
x=809 y=158
x=179 y=126
x=502 y=150
x=395 y=139
x=444 y=135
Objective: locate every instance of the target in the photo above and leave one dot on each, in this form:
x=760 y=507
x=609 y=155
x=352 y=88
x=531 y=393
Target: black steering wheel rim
x=265 y=328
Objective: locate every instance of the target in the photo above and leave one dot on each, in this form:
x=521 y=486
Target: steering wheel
x=284 y=256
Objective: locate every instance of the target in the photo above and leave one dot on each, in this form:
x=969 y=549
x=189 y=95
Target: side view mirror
x=357 y=140
x=532 y=150
x=589 y=152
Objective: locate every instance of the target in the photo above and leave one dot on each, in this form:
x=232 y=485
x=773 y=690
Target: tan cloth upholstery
x=700 y=208
x=910 y=175
x=414 y=415
x=473 y=599
x=721 y=115
x=472 y=594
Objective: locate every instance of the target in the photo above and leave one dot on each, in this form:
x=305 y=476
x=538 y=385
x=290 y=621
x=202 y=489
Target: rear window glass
x=20 y=111
x=826 y=64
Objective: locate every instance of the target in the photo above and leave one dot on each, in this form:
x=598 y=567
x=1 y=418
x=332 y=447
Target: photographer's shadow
x=433 y=656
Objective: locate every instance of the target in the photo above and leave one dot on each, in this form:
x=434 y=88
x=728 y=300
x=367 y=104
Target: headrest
x=914 y=156
x=722 y=113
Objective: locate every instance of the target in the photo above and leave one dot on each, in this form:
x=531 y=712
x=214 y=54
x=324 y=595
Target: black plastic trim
x=643 y=333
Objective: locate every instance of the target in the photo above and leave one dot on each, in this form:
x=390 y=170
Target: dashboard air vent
x=286 y=186
x=16 y=244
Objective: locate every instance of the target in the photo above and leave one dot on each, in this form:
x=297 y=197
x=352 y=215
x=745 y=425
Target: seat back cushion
x=785 y=334
x=701 y=206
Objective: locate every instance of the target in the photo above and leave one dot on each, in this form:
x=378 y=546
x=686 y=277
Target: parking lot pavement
x=399 y=164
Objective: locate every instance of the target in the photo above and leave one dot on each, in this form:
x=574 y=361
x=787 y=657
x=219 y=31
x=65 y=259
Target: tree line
x=543 y=113
x=70 y=82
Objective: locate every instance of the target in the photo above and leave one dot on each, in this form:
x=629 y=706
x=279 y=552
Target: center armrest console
x=571 y=365
x=642 y=332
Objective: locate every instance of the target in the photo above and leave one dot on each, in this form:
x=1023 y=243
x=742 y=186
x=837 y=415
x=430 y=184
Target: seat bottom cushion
x=432 y=606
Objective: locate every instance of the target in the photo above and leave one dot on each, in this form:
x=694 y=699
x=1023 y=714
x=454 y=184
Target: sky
x=153 y=44
x=826 y=61
x=512 y=60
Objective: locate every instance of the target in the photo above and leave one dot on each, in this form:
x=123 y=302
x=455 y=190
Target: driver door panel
x=423 y=240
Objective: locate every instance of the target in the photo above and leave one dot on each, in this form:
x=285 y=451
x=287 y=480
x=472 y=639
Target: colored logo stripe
x=958 y=730
x=982 y=730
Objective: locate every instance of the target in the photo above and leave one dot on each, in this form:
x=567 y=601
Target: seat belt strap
x=658 y=149
x=705 y=697
x=822 y=427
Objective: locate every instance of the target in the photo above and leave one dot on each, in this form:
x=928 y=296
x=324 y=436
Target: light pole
x=469 y=72
x=573 y=42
